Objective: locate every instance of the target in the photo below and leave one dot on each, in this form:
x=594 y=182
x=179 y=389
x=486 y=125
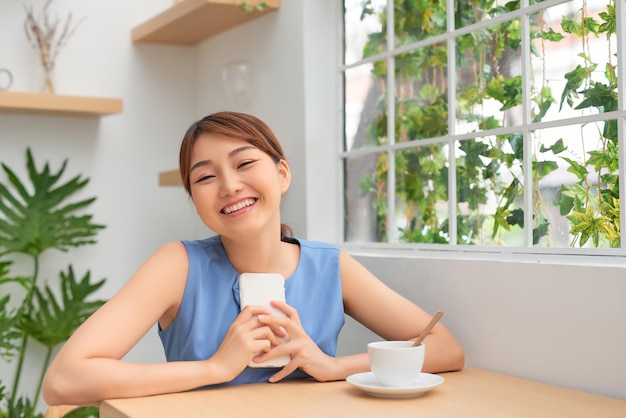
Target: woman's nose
x=230 y=184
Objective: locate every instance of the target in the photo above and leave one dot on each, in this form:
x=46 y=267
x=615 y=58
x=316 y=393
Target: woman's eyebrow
x=231 y=154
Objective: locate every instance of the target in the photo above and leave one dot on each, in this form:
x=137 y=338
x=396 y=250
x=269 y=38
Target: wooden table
x=469 y=393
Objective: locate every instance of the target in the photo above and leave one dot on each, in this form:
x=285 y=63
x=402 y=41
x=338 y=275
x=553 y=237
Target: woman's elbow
x=56 y=388
x=449 y=357
x=458 y=359
x=50 y=393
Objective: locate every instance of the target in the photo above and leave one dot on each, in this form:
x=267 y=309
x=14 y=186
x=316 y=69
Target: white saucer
x=369 y=384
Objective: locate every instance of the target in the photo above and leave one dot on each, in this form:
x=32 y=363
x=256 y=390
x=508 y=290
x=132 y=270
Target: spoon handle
x=430 y=326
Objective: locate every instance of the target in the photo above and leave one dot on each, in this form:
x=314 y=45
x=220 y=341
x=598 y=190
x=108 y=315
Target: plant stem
x=43 y=373
x=18 y=371
x=28 y=305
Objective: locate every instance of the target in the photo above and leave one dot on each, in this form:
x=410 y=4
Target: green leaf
x=500 y=220
x=8 y=333
x=550 y=35
x=83 y=412
x=600 y=96
x=589 y=226
x=564 y=202
x=517 y=143
x=556 y=148
x=543 y=168
x=610 y=23
x=603 y=159
x=572 y=26
x=34 y=221
x=540 y=231
x=579 y=170
x=22 y=408
x=575 y=79
x=516 y=217
x=53 y=321
x=8 y=318
x=507 y=91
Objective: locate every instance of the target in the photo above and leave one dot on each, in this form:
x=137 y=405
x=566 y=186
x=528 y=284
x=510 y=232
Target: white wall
x=493 y=307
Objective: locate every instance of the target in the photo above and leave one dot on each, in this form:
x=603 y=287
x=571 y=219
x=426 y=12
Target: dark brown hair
x=234 y=125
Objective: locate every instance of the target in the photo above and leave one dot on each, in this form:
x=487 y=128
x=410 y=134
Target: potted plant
x=36 y=216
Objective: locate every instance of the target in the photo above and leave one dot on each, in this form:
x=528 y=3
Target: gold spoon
x=430 y=326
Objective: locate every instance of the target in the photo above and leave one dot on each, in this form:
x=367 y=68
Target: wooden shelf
x=170 y=178
x=192 y=21
x=53 y=104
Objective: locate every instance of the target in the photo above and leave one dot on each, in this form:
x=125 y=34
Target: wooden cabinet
x=54 y=104
x=192 y=21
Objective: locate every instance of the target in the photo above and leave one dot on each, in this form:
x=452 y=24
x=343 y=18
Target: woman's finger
x=291 y=312
x=252 y=311
x=278 y=324
x=284 y=372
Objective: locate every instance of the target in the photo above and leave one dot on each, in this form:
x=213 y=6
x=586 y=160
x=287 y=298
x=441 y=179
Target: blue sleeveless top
x=211 y=303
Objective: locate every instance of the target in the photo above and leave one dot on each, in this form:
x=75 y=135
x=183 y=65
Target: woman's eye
x=245 y=163
x=203 y=178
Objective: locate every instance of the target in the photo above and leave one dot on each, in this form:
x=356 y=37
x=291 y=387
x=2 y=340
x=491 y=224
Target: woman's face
x=236 y=187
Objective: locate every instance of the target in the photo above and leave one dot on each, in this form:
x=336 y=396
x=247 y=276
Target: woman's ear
x=284 y=174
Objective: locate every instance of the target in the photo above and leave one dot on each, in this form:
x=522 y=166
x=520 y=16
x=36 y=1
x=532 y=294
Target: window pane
x=490 y=191
x=470 y=12
x=489 y=92
x=576 y=196
x=363 y=29
x=422 y=194
x=573 y=62
x=421 y=93
x=365 y=124
x=365 y=198
x=416 y=21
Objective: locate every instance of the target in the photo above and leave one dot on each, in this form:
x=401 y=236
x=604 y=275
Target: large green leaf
x=22 y=408
x=84 y=412
x=8 y=333
x=25 y=282
x=52 y=322
x=8 y=318
x=36 y=218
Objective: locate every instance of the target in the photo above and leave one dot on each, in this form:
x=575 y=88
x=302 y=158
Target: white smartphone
x=259 y=289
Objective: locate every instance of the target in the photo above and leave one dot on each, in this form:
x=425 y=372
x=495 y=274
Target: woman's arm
x=89 y=368
x=393 y=317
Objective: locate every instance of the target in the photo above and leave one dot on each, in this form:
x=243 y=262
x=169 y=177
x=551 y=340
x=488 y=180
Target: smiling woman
x=234 y=169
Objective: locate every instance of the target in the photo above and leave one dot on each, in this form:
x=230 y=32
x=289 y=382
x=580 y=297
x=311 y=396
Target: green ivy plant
x=490 y=169
x=35 y=216
x=249 y=8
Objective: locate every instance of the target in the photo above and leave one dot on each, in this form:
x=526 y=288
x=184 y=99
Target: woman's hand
x=305 y=354
x=246 y=337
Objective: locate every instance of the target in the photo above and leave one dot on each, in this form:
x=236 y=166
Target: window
x=486 y=123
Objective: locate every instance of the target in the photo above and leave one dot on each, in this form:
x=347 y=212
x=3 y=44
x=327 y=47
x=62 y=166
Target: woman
x=235 y=172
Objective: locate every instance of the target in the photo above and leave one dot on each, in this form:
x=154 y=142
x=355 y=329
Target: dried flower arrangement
x=48 y=37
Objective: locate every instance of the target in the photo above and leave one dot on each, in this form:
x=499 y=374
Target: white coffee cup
x=396 y=363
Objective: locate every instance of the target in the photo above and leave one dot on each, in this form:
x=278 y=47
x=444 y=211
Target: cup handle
x=9 y=77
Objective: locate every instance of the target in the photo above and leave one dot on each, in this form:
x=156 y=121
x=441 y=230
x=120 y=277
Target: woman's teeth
x=238 y=206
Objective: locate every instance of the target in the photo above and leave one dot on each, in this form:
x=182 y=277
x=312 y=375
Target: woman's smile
x=245 y=203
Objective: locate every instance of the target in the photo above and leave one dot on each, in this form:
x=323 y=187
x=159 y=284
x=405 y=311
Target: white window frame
x=527 y=252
